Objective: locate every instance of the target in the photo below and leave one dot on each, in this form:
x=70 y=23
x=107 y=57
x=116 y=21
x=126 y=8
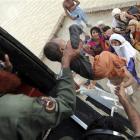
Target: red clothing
x=95 y=48
x=8 y=81
x=29 y=90
x=11 y=82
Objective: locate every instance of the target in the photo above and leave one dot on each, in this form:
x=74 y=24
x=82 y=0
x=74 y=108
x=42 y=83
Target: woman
x=124 y=49
x=134 y=27
x=97 y=42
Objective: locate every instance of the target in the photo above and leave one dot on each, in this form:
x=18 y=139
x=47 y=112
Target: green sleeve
x=65 y=103
x=136 y=138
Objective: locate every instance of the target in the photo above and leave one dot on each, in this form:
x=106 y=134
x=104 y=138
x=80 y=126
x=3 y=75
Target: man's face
x=117 y=16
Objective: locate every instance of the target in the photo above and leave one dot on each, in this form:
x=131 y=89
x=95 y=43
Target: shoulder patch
x=49 y=103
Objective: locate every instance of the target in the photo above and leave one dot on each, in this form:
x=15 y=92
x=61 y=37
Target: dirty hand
x=7 y=65
x=120 y=92
x=70 y=53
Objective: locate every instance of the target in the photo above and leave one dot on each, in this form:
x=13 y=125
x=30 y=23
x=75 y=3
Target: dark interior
x=30 y=69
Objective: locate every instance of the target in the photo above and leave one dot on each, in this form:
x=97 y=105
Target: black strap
x=105 y=132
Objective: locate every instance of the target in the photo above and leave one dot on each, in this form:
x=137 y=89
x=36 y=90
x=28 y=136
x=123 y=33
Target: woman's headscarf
x=125 y=49
x=116 y=11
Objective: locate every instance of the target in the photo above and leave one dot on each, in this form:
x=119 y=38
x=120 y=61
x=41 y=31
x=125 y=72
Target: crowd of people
x=121 y=38
x=108 y=52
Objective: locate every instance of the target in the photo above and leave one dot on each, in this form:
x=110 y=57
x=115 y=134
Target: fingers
x=7 y=60
x=117 y=89
x=8 y=64
x=70 y=49
x=70 y=46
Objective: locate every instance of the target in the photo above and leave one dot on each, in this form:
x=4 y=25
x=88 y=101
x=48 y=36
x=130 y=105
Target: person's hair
x=133 y=10
x=97 y=29
x=107 y=123
x=52 y=51
x=106 y=28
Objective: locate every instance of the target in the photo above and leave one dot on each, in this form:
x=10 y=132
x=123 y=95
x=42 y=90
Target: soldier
x=23 y=117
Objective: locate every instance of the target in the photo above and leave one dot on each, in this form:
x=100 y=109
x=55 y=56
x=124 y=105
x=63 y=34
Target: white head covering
x=100 y=22
x=125 y=49
x=116 y=11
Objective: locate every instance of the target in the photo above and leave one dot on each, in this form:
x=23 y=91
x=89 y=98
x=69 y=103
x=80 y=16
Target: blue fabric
x=111 y=49
x=131 y=69
x=127 y=37
x=79 y=13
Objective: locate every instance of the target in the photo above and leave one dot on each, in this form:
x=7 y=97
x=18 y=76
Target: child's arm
x=128 y=79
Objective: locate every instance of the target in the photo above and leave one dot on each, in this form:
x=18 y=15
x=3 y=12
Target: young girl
x=97 y=42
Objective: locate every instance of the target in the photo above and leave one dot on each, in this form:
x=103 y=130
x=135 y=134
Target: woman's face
x=115 y=43
x=95 y=34
x=132 y=28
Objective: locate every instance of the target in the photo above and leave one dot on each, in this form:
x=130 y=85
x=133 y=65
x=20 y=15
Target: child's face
x=95 y=34
x=108 y=33
x=115 y=43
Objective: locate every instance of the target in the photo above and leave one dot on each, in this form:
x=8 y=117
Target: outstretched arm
x=130 y=16
x=56 y=109
x=132 y=113
x=129 y=80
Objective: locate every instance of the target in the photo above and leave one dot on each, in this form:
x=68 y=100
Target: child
x=105 y=65
x=97 y=42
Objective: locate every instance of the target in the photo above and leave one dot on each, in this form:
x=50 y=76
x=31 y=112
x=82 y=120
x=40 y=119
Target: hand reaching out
x=70 y=53
x=6 y=65
x=120 y=92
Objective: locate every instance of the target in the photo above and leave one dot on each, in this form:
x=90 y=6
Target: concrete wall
x=93 y=18
x=32 y=21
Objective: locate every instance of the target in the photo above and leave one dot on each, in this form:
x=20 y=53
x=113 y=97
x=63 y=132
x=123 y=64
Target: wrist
x=66 y=62
x=123 y=101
